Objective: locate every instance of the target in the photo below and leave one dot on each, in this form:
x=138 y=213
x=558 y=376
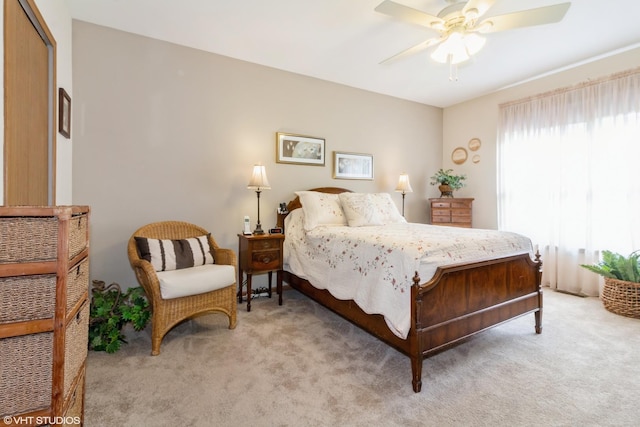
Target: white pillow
x=387 y=210
x=321 y=209
x=359 y=209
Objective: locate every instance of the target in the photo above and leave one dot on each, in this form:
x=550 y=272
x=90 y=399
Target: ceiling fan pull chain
x=453 y=71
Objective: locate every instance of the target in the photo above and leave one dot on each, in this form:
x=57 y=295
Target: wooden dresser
x=451 y=211
x=44 y=314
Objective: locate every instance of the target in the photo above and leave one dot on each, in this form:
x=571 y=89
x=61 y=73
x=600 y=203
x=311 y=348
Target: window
x=569 y=176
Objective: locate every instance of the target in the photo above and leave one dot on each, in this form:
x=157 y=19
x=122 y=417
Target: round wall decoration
x=474 y=144
x=459 y=156
x=476 y=158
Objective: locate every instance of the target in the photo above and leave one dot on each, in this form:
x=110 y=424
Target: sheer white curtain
x=569 y=176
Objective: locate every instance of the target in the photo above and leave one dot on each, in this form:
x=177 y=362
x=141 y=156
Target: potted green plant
x=111 y=309
x=447 y=182
x=621 y=292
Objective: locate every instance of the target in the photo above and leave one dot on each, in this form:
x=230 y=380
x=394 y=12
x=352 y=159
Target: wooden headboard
x=295 y=203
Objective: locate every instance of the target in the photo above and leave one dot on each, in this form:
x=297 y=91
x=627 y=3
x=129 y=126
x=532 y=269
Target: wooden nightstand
x=452 y=212
x=259 y=254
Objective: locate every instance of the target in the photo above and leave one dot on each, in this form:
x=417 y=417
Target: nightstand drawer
x=257 y=245
x=265 y=260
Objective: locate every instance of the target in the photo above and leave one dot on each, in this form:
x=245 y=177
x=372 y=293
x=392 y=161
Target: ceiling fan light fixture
x=474 y=43
x=458 y=47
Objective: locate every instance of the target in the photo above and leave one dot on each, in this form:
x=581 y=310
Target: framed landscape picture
x=299 y=149
x=352 y=165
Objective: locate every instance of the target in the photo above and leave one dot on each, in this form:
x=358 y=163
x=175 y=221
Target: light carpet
x=301 y=365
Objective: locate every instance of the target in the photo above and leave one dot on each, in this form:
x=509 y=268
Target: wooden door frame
x=31 y=10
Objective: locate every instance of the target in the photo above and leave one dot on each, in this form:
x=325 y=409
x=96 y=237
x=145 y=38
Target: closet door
x=29 y=140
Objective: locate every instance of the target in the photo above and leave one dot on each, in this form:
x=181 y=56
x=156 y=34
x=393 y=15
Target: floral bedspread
x=374 y=266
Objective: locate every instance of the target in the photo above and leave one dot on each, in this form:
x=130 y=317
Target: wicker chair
x=167 y=313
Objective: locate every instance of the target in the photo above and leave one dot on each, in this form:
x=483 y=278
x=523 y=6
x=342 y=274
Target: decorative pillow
x=321 y=209
x=387 y=210
x=175 y=254
x=359 y=209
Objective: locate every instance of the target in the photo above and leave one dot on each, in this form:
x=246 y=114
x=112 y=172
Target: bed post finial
x=416 y=278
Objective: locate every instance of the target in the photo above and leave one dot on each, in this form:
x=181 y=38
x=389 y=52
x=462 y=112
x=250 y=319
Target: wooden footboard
x=459 y=301
x=462 y=300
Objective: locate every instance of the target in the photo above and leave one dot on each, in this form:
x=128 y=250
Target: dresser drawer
x=35 y=238
x=75 y=346
x=26 y=364
x=462 y=204
x=441 y=212
x=461 y=218
x=446 y=205
x=24 y=298
x=74 y=403
x=77 y=283
x=438 y=219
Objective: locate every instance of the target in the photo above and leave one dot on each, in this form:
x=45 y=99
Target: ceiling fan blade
x=525 y=18
x=414 y=49
x=480 y=5
x=407 y=13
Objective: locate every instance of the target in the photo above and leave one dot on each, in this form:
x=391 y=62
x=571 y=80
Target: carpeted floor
x=301 y=365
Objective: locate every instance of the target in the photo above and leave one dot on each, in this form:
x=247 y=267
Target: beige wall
x=478 y=118
x=167 y=132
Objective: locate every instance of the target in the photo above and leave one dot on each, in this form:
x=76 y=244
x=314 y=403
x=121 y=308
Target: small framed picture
x=299 y=149
x=64 y=113
x=352 y=165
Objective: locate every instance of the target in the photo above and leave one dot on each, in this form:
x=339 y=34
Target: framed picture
x=64 y=113
x=299 y=149
x=352 y=165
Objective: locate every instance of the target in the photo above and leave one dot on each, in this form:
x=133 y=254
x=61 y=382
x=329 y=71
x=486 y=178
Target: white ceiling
x=343 y=41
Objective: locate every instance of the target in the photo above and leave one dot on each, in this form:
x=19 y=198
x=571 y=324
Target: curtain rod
x=577 y=86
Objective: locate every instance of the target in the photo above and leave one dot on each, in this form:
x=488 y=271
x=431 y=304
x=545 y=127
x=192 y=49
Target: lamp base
x=258 y=229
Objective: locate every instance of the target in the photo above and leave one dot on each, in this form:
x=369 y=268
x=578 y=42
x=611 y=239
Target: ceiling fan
x=458 y=26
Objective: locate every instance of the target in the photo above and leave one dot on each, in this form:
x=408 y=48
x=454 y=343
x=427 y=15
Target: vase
x=445 y=190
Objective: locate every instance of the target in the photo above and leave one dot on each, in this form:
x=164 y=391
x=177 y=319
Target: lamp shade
x=404 y=186
x=259 y=179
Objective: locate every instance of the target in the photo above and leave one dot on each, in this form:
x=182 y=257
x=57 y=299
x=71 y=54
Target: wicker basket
x=25 y=373
x=621 y=297
x=35 y=239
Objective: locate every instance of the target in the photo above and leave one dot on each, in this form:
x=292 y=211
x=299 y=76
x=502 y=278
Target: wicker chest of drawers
x=451 y=211
x=44 y=313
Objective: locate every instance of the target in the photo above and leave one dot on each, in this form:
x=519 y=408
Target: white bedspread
x=374 y=266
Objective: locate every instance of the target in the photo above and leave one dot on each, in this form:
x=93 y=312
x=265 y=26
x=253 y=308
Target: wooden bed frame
x=459 y=301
